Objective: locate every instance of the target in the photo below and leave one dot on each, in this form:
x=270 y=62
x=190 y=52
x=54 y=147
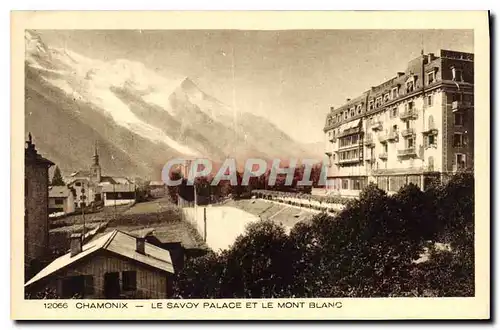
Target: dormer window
x=431 y=77
x=378 y=102
x=370 y=105
x=395 y=93
x=410 y=86
x=387 y=97
x=352 y=112
x=359 y=106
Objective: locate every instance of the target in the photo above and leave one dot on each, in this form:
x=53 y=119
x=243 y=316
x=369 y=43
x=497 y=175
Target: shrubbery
x=369 y=249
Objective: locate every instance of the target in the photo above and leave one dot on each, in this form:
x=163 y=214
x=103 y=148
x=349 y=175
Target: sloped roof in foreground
x=117 y=242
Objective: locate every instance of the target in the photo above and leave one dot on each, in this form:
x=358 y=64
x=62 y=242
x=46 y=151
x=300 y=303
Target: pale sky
x=290 y=77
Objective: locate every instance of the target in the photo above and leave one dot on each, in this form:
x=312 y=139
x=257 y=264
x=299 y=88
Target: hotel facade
x=417 y=127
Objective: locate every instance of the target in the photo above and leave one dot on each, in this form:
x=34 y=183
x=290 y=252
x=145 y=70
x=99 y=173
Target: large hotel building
x=414 y=128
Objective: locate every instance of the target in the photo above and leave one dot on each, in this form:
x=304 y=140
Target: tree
x=258 y=265
x=173 y=191
x=57 y=179
x=450 y=272
x=143 y=191
x=370 y=249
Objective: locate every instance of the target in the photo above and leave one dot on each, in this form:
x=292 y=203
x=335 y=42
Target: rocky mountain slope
x=138 y=118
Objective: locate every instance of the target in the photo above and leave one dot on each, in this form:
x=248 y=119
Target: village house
x=118 y=194
x=61 y=199
x=164 y=240
x=36 y=211
x=157 y=188
x=86 y=191
x=116 y=265
x=92 y=187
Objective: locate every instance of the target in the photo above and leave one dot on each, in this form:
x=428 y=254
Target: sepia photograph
x=182 y=165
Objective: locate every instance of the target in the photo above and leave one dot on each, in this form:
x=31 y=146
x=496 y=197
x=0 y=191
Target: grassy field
x=167 y=221
x=154 y=206
x=160 y=215
x=107 y=213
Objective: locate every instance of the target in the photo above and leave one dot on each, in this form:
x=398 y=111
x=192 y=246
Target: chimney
x=347 y=100
x=401 y=74
x=430 y=57
x=332 y=108
x=140 y=245
x=76 y=244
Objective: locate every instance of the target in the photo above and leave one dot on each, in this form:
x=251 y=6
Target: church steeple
x=95 y=169
x=96 y=155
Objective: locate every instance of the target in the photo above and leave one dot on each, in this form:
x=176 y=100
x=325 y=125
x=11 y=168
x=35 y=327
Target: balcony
x=350 y=147
x=428 y=168
x=408 y=132
x=430 y=131
x=369 y=142
x=408 y=152
x=348 y=161
x=459 y=168
x=408 y=114
x=377 y=126
x=349 y=131
x=392 y=136
x=383 y=155
x=461 y=105
x=382 y=138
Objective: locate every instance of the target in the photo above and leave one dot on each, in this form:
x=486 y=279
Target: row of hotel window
x=459 y=140
x=458 y=119
x=356 y=183
x=394 y=112
x=378 y=102
x=391 y=183
x=394 y=183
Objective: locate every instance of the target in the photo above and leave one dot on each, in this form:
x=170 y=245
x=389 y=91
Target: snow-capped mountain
x=139 y=118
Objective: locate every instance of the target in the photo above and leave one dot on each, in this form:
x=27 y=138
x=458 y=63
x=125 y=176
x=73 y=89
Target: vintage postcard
x=250 y=165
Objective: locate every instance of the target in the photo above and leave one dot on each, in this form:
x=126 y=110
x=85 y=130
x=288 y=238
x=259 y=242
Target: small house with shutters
x=157 y=188
x=118 y=194
x=117 y=265
x=62 y=199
